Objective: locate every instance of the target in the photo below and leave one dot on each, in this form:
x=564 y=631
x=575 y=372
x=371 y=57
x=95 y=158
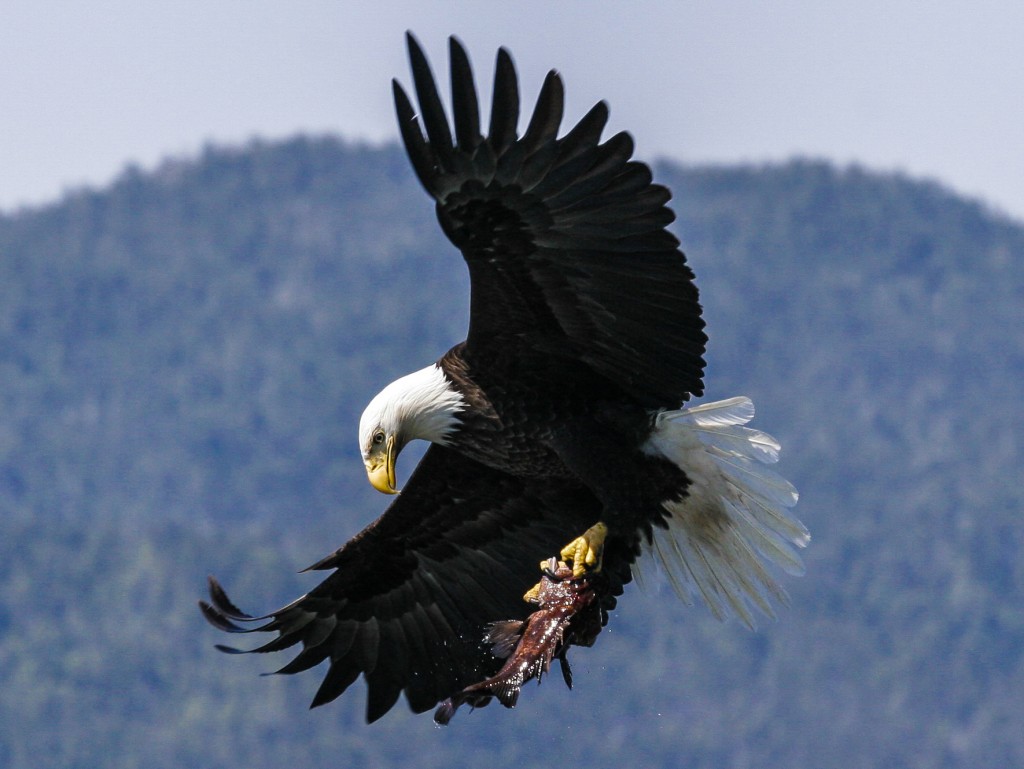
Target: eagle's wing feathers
x=410 y=595
x=565 y=238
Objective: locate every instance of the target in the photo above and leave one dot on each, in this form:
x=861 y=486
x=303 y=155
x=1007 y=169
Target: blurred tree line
x=183 y=359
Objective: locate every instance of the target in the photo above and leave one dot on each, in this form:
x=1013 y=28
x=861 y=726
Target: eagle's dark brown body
x=564 y=422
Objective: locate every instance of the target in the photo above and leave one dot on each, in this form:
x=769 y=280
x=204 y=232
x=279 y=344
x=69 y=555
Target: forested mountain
x=183 y=359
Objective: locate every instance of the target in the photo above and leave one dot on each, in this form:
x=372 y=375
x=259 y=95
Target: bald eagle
x=562 y=409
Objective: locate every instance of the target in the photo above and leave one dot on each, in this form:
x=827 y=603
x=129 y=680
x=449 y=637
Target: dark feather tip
x=229 y=649
x=219 y=599
x=218 y=620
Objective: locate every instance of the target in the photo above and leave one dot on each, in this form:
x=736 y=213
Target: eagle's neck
x=425 y=405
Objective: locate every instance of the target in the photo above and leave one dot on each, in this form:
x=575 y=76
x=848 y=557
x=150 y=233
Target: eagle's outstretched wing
x=564 y=237
x=411 y=595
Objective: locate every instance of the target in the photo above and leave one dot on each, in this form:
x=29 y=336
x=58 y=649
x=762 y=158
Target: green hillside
x=183 y=359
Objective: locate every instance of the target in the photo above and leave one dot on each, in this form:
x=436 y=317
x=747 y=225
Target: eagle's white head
x=423 y=405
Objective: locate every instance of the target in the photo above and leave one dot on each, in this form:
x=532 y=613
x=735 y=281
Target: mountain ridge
x=184 y=355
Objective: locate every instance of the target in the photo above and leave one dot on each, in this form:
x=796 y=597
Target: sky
x=924 y=88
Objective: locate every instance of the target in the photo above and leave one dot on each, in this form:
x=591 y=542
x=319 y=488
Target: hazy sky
x=923 y=87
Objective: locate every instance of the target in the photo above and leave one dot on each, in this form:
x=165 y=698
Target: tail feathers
x=735 y=517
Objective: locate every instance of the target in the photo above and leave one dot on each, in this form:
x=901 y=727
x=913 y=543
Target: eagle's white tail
x=735 y=515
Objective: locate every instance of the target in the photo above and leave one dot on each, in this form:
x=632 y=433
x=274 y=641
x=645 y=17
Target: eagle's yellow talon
x=584 y=552
x=533 y=594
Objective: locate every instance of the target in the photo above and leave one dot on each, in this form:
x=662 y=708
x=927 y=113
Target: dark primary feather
x=464 y=103
x=565 y=238
x=505 y=107
x=411 y=596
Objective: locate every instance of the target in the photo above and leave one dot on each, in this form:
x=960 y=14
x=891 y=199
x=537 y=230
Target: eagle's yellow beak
x=380 y=468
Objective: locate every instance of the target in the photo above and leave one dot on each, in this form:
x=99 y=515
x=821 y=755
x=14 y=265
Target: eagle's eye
x=378 y=438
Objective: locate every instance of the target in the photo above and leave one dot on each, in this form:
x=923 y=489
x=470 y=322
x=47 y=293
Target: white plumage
x=421 y=405
x=735 y=517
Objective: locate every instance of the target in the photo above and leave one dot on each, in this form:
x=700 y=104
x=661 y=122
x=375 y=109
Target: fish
x=568 y=614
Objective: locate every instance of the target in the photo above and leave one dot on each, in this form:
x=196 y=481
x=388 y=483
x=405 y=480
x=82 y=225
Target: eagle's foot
x=533 y=594
x=582 y=556
x=554 y=570
x=584 y=553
